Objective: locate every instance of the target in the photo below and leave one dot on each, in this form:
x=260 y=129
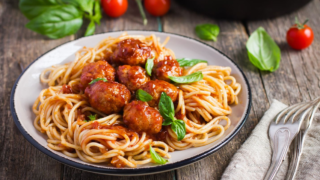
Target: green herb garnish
x=143 y=95
x=156 y=157
x=194 y=77
x=189 y=62
x=92 y=117
x=149 y=66
x=166 y=110
x=98 y=79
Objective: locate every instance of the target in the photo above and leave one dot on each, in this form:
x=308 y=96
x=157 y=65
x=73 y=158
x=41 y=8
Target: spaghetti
x=61 y=110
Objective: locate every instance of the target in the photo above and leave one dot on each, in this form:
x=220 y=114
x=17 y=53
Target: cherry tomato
x=157 y=7
x=300 y=36
x=114 y=8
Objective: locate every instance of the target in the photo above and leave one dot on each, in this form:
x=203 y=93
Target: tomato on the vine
x=157 y=7
x=300 y=36
x=114 y=8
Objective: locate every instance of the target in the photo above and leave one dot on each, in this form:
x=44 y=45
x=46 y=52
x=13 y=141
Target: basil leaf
x=98 y=79
x=34 y=8
x=58 y=22
x=97 y=12
x=179 y=127
x=149 y=66
x=156 y=157
x=207 y=31
x=166 y=108
x=194 y=77
x=190 y=62
x=92 y=117
x=90 y=29
x=263 y=52
x=85 y=5
x=143 y=96
x=167 y=122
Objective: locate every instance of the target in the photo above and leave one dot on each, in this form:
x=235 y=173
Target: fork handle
x=296 y=153
x=280 y=146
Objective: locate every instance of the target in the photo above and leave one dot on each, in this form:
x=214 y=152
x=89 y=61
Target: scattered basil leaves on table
x=60 y=18
x=207 y=31
x=98 y=79
x=190 y=62
x=194 y=77
x=166 y=109
x=143 y=95
x=90 y=29
x=149 y=66
x=156 y=157
x=263 y=52
x=92 y=117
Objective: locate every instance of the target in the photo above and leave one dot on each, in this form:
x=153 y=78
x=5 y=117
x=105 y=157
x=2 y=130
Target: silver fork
x=282 y=131
x=299 y=141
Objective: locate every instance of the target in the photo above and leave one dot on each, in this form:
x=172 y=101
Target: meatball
x=108 y=97
x=131 y=52
x=156 y=87
x=139 y=117
x=166 y=68
x=99 y=69
x=132 y=76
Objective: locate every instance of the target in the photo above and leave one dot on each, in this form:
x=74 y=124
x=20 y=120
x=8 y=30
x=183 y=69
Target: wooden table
x=297 y=79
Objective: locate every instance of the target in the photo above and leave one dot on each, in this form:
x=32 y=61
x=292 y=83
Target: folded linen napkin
x=253 y=158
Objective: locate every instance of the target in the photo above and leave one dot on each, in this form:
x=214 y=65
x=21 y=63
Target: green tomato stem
x=299 y=25
x=143 y=15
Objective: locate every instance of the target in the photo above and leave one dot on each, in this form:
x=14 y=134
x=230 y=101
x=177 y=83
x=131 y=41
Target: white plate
x=28 y=86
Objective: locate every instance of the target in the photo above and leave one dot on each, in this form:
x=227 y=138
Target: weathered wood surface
x=296 y=80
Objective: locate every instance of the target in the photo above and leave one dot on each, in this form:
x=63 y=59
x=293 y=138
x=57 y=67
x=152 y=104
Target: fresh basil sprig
x=94 y=19
x=98 y=79
x=58 y=22
x=143 y=96
x=207 y=31
x=189 y=62
x=60 y=18
x=149 y=66
x=194 y=77
x=166 y=109
x=156 y=157
x=263 y=52
x=92 y=117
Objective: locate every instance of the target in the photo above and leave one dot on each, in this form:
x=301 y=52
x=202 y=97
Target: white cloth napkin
x=253 y=158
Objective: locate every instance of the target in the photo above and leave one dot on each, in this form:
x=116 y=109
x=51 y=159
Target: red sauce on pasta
x=66 y=89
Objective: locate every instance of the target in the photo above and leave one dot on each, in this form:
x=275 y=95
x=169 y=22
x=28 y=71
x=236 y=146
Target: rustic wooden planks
x=231 y=41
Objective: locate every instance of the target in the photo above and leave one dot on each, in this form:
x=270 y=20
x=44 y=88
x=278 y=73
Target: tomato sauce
x=66 y=89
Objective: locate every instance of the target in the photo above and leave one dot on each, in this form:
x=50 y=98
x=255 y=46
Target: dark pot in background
x=243 y=9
